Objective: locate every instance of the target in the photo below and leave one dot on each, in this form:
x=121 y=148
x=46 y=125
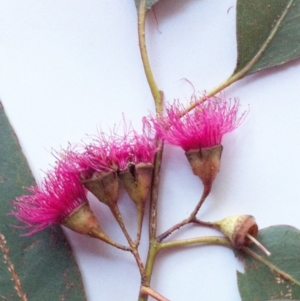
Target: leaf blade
x=258 y=282
x=268 y=34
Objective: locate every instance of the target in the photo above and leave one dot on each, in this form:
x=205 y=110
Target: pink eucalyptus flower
x=86 y=162
x=59 y=195
x=202 y=127
x=138 y=148
x=114 y=152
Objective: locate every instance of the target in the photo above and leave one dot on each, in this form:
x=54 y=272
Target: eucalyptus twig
x=158 y=98
x=190 y=219
x=157 y=95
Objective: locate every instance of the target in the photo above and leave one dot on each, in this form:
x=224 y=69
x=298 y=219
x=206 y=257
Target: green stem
x=151 y=258
x=152 y=251
x=158 y=100
x=156 y=93
x=271 y=266
x=216 y=90
x=212 y=240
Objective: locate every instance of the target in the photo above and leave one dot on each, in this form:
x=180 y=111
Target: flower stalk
x=118 y=217
x=188 y=220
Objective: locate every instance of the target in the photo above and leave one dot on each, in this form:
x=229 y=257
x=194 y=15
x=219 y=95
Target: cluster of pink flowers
x=62 y=192
x=203 y=127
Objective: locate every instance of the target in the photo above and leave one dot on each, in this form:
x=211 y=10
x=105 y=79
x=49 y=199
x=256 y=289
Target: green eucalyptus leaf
x=36 y=268
x=259 y=282
x=268 y=34
x=148 y=3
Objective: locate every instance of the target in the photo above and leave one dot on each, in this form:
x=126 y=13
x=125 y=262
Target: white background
x=69 y=67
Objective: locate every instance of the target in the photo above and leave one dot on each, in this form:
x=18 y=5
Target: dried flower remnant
x=200 y=132
x=59 y=198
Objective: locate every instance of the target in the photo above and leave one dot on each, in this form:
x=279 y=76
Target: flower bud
x=104 y=186
x=205 y=162
x=238 y=228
